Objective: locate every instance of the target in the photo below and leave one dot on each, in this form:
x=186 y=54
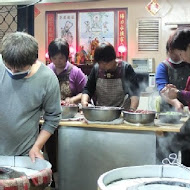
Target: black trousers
x=51 y=147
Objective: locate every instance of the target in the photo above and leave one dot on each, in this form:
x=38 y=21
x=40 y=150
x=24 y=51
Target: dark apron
x=64 y=83
x=109 y=92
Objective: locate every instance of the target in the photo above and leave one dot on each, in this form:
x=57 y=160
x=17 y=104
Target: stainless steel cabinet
x=86 y=153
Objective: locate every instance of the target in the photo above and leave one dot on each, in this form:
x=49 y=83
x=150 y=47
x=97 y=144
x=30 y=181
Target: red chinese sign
x=50 y=28
x=122 y=42
x=153 y=7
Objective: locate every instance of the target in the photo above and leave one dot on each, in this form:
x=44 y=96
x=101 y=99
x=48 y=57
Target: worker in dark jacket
x=110 y=81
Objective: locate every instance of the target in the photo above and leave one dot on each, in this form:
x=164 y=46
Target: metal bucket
x=142 y=177
x=38 y=175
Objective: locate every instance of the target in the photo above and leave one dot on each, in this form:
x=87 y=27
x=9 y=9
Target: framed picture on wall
x=95 y=27
x=85 y=29
x=66 y=29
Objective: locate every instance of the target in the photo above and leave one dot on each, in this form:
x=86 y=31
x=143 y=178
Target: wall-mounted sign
x=153 y=7
x=85 y=29
x=50 y=28
x=94 y=28
x=122 y=41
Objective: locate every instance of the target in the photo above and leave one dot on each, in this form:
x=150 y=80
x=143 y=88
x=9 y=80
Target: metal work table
x=88 y=150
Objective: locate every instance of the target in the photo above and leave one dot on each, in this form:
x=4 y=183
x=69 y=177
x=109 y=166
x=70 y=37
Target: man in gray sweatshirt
x=27 y=87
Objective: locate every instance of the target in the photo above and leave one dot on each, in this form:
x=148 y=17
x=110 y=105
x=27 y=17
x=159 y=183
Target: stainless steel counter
x=86 y=153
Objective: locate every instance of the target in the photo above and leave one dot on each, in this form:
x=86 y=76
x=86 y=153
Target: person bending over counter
x=23 y=95
x=176 y=90
x=110 y=81
x=180 y=44
x=170 y=71
x=71 y=79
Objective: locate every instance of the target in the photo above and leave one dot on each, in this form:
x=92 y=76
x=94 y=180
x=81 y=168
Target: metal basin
x=103 y=114
x=69 y=111
x=142 y=118
x=170 y=117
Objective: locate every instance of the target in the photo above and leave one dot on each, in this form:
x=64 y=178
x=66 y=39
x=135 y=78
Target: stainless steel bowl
x=103 y=114
x=69 y=111
x=142 y=118
x=170 y=117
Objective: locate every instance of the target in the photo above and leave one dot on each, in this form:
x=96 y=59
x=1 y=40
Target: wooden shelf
x=156 y=127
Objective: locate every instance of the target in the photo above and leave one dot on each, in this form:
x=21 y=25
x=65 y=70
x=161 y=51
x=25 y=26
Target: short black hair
x=181 y=39
x=168 y=44
x=104 y=52
x=59 y=45
x=19 y=49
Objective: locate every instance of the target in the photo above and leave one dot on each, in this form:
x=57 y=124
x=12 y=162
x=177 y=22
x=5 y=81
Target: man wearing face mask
x=27 y=88
x=172 y=71
x=17 y=75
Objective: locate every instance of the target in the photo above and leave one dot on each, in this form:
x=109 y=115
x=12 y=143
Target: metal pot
x=142 y=118
x=69 y=111
x=103 y=114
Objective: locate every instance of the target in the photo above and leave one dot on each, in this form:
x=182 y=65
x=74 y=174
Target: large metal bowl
x=170 y=117
x=142 y=118
x=69 y=111
x=103 y=114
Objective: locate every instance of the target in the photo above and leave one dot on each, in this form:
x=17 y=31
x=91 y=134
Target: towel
x=42 y=177
x=20 y=183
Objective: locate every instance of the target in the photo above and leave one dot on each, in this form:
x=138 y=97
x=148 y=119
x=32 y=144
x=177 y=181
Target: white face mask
x=170 y=60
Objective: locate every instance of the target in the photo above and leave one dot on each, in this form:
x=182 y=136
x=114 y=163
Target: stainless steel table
x=88 y=150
